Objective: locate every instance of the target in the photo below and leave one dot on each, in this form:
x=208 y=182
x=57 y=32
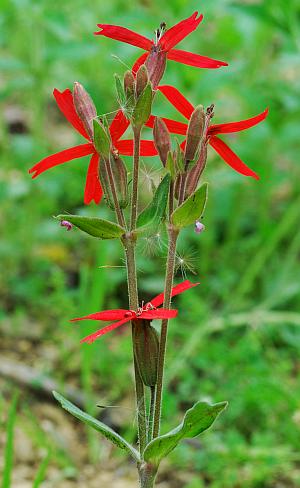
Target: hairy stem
x=129 y=246
x=147 y=475
x=173 y=235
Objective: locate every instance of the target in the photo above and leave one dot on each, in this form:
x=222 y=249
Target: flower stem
x=129 y=246
x=173 y=235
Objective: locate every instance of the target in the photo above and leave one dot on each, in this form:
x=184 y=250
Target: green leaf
x=198 y=419
x=103 y=229
x=142 y=110
x=109 y=433
x=154 y=213
x=192 y=209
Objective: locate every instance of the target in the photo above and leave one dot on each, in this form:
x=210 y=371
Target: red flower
x=164 y=42
x=146 y=312
x=186 y=108
x=93 y=190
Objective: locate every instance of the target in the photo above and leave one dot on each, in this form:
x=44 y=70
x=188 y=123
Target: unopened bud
x=194 y=174
x=156 y=65
x=199 y=227
x=84 y=107
x=146 y=347
x=162 y=139
x=129 y=83
x=194 y=133
x=141 y=80
x=102 y=141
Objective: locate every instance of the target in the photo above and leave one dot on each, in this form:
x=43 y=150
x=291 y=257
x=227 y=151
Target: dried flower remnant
x=67 y=224
x=199 y=227
x=161 y=49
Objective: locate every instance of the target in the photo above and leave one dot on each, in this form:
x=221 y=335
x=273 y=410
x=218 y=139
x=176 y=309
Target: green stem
x=129 y=247
x=173 y=235
x=147 y=475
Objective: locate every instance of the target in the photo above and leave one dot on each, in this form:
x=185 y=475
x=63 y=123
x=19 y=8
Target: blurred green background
x=237 y=337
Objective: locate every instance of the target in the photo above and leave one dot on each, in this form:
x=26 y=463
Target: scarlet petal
x=124 y=35
x=125 y=147
x=93 y=189
x=160 y=313
x=173 y=126
x=192 y=59
x=115 y=314
x=185 y=285
x=177 y=100
x=65 y=103
x=237 y=126
x=231 y=158
x=61 y=157
x=141 y=60
x=118 y=126
x=179 y=31
x=147 y=148
x=92 y=337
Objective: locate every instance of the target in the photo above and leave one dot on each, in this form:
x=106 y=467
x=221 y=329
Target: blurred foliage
x=238 y=332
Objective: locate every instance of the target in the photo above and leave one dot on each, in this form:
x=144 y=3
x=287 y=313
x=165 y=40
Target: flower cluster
x=158 y=50
x=107 y=174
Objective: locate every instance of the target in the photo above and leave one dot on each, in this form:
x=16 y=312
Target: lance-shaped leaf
x=192 y=209
x=154 y=213
x=103 y=229
x=198 y=419
x=109 y=433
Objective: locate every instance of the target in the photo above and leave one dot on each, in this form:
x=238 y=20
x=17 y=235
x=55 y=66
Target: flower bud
x=194 y=174
x=141 y=80
x=102 y=141
x=146 y=347
x=129 y=83
x=194 y=133
x=162 y=139
x=156 y=65
x=84 y=107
